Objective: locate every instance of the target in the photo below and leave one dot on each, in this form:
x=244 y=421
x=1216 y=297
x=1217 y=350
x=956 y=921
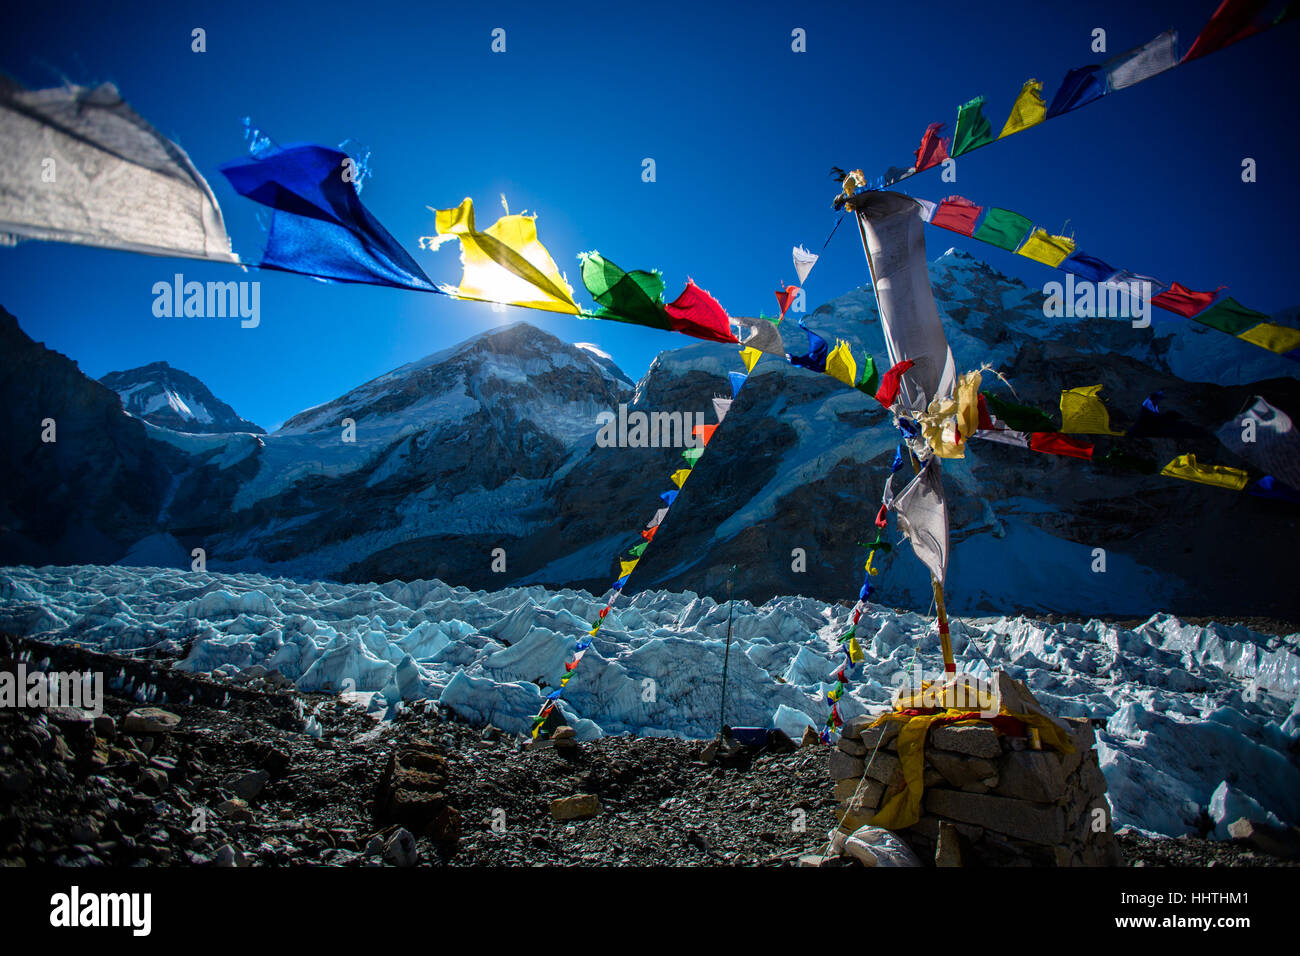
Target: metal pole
x=726 y=654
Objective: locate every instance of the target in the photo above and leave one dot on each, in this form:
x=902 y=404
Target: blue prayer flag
x=1079 y=88
x=320 y=228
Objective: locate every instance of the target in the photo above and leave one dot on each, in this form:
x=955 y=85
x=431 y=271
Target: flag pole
x=949 y=665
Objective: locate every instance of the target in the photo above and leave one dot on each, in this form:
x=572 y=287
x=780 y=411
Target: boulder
x=246 y=785
x=150 y=720
x=1266 y=838
x=580 y=807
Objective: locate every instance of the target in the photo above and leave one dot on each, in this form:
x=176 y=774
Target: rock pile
x=990 y=798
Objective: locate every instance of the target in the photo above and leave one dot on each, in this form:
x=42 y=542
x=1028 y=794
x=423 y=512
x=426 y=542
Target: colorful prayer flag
x=679 y=476
x=841 y=365
x=1229 y=315
x=1220 y=476
x=1053 y=443
x=506 y=262
x=1274 y=337
x=699 y=314
x=933 y=149
x=1233 y=20
x=634 y=297
x=1184 y=301
x=1028 y=109
x=1082 y=412
x=1079 y=88
x=956 y=214
x=973 y=128
x=1003 y=228
x=1088 y=267
x=1046 y=248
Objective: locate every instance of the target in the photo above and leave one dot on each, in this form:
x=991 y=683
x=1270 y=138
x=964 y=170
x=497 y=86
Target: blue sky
x=742 y=130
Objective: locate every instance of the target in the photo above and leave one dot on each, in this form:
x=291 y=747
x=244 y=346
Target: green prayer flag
x=849 y=634
x=693 y=455
x=1229 y=315
x=1122 y=459
x=635 y=297
x=1020 y=418
x=639 y=549
x=868 y=377
x=973 y=129
x=1003 y=228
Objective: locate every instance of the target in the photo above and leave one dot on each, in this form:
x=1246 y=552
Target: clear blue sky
x=742 y=129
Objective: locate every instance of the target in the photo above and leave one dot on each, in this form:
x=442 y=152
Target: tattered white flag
x=1144 y=62
x=80 y=166
x=1264 y=436
x=803 y=263
x=923 y=517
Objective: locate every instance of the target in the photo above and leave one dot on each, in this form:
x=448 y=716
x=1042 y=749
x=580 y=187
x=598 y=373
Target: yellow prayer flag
x=1221 y=476
x=1028 y=109
x=750 y=357
x=505 y=263
x=1045 y=248
x=968 y=407
x=939 y=428
x=680 y=475
x=1082 y=412
x=855 y=651
x=1274 y=337
x=625 y=567
x=840 y=364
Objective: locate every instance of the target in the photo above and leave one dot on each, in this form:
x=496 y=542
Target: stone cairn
x=990 y=799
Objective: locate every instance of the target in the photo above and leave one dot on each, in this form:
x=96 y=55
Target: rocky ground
x=243 y=779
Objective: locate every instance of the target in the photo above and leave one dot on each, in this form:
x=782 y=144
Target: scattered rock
x=580 y=807
x=948 y=849
x=246 y=785
x=400 y=849
x=150 y=720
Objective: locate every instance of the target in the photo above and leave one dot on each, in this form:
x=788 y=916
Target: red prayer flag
x=699 y=314
x=785 y=296
x=986 y=420
x=649 y=533
x=1054 y=443
x=933 y=150
x=705 y=432
x=603 y=611
x=890 y=382
x=957 y=214
x=1184 y=301
x=1233 y=21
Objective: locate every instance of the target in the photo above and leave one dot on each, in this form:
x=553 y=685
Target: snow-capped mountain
x=171 y=398
x=429 y=470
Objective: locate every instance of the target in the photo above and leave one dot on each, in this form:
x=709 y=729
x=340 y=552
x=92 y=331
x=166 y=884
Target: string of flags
x=1231 y=22
x=1015 y=233
x=691 y=456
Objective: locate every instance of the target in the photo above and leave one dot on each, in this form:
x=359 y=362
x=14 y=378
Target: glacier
x=1197 y=724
